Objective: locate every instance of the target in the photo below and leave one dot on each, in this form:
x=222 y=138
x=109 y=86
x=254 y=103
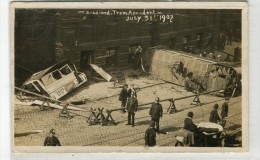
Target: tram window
x=31 y=88
x=56 y=75
x=39 y=87
x=65 y=70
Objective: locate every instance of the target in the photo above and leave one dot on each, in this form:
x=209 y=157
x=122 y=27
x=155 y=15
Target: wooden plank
x=101 y=72
x=71 y=107
x=52 y=105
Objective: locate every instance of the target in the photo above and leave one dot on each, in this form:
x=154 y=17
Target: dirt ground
x=77 y=132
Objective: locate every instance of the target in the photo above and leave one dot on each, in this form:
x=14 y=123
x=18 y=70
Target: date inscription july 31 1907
x=134 y=15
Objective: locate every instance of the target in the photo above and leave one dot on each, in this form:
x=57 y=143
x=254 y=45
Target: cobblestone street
x=77 y=132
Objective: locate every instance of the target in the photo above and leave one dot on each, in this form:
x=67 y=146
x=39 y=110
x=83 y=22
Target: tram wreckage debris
x=55 y=81
x=97 y=116
x=195 y=73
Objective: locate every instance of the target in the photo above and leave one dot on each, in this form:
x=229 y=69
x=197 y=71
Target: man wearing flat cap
x=150 y=135
x=214 y=117
x=51 y=140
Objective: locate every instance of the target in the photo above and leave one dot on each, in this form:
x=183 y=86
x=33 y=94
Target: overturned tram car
x=195 y=73
x=55 y=81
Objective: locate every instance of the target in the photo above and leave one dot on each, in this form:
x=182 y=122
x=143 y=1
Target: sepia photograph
x=134 y=77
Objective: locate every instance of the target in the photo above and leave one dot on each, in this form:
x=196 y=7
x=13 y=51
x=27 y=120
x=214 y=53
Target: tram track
x=129 y=136
x=87 y=106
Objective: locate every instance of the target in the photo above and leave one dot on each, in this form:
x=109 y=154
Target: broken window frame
x=39 y=87
x=54 y=77
x=64 y=67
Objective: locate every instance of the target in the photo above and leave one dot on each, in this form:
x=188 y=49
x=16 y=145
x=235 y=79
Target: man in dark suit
x=150 y=135
x=224 y=111
x=189 y=125
x=137 y=57
x=189 y=134
x=131 y=91
x=156 y=112
x=51 y=140
x=131 y=107
x=214 y=117
x=123 y=96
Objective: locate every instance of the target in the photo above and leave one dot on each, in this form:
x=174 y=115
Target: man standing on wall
x=156 y=112
x=131 y=108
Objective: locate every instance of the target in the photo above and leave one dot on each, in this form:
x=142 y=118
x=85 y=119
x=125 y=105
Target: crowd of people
x=193 y=132
x=128 y=98
x=189 y=135
x=219 y=42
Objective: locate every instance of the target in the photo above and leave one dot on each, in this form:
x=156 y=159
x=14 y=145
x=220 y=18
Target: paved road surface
x=77 y=132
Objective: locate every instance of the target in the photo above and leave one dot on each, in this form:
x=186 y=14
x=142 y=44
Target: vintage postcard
x=129 y=77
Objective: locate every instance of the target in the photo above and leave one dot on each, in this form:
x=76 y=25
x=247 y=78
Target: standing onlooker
x=131 y=107
x=156 y=112
x=211 y=55
x=51 y=140
x=214 y=117
x=224 y=111
x=150 y=135
x=137 y=57
x=229 y=37
x=223 y=41
x=123 y=96
x=131 y=91
x=219 y=59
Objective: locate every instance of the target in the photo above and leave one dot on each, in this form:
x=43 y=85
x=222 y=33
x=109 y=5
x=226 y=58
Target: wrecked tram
x=55 y=81
x=195 y=73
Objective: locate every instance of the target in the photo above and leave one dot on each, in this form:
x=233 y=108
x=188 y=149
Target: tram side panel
x=180 y=68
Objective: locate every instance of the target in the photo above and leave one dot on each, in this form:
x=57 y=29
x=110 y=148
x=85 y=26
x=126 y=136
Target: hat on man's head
x=125 y=85
x=215 y=106
x=190 y=114
x=157 y=99
x=152 y=124
x=52 y=131
x=226 y=98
